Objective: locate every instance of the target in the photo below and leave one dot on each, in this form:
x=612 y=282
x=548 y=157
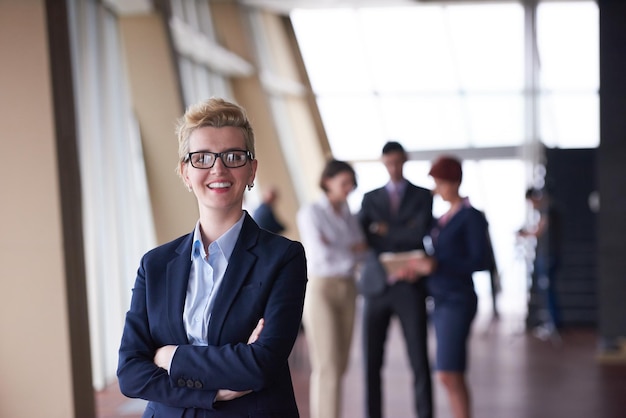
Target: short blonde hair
x=215 y=112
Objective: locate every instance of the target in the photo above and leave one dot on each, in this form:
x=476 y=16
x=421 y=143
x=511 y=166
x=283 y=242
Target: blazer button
x=190 y=384
x=199 y=384
x=181 y=383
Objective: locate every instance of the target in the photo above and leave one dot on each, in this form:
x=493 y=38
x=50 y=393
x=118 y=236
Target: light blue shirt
x=205 y=279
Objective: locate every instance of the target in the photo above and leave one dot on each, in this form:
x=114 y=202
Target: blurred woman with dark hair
x=334 y=243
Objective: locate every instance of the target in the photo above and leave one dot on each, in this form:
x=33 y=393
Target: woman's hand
x=424 y=266
x=256 y=331
x=415 y=269
x=163 y=356
x=359 y=248
x=229 y=395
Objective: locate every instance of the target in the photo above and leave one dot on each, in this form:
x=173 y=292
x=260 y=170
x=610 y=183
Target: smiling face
x=219 y=188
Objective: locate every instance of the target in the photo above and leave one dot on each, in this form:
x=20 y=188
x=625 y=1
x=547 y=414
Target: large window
x=117 y=216
x=453 y=76
x=433 y=77
x=488 y=82
x=203 y=64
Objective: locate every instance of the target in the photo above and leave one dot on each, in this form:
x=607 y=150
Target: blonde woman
x=215 y=313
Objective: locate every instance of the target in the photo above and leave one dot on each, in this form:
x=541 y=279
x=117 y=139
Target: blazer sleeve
x=137 y=374
x=241 y=366
x=468 y=252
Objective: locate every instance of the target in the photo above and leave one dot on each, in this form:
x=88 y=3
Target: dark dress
x=460 y=247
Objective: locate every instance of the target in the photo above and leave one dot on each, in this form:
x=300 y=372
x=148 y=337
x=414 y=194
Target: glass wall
x=117 y=216
x=197 y=50
x=568 y=49
x=490 y=83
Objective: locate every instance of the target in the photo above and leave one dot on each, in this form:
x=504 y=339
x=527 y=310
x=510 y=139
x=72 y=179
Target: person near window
x=334 y=245
x=395 y=219
x=459 y=247
x=265 y=215
x=215 y=313
x=547 y=233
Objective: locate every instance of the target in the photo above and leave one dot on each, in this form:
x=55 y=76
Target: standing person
x=191 y=344
x=265 y=216
x=334 y=244
x=395 y=218
x=459 y=248
x=547 y=232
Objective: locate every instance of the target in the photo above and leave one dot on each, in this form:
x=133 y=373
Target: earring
x=188 y=187
x=250 y=186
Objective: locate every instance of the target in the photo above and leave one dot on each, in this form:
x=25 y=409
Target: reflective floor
x=513 y=374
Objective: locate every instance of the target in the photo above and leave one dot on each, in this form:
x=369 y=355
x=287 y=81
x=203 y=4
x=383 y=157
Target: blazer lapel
x=382 y=201
x=177 y=279
x=240 y=263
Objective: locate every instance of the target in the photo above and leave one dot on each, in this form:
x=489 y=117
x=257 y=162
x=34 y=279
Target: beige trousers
x=328 y=320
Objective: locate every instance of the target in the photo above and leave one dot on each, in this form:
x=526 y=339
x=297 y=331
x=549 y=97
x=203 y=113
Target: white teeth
x=220 y=185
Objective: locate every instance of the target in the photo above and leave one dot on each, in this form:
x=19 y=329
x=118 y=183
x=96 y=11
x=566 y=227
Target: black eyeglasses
x=232 y=158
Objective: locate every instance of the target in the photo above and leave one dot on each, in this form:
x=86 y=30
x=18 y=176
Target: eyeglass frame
x=220 y=155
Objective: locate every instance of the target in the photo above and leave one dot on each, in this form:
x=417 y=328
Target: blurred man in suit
x=395 y=219
x=265 y=215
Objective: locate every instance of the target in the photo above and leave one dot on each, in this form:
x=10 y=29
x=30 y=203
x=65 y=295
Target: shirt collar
x=226 y=242
x=327 y=205
x=400 y=186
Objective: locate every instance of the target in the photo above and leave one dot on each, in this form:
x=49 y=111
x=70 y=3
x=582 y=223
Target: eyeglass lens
x=206 y=159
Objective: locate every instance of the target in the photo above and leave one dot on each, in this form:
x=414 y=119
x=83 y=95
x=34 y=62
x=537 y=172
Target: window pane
x=407 y=49
x=353 y=127
x=495 y=120
x=331 y=50
x=568 y=42
x=425 y=122
x=486 y=43
x=570 y=120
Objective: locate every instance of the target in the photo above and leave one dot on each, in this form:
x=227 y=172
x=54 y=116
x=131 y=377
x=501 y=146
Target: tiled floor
x=512 y=374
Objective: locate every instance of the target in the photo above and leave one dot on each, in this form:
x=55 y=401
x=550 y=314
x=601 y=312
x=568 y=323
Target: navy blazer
x=406 y=230
x=461 y=247
x=266 y=278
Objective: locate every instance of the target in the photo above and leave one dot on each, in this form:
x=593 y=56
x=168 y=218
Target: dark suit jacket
x=265 y=278
x=406 y=230
x=461 y=247
x=266 y=219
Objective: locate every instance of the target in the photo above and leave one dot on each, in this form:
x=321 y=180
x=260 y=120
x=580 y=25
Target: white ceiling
x=284 y=6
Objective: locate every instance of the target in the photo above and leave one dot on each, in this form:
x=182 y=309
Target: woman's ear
x=184 y=173
x=183 y=170
x=253 y=167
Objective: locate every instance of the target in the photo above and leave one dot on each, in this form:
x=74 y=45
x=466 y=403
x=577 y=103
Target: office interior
x=92 y=90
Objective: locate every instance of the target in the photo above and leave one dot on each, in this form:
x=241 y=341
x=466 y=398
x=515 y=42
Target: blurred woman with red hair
x=459 y=248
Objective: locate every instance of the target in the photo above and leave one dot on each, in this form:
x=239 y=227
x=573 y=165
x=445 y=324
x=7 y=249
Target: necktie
x=394 y=199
